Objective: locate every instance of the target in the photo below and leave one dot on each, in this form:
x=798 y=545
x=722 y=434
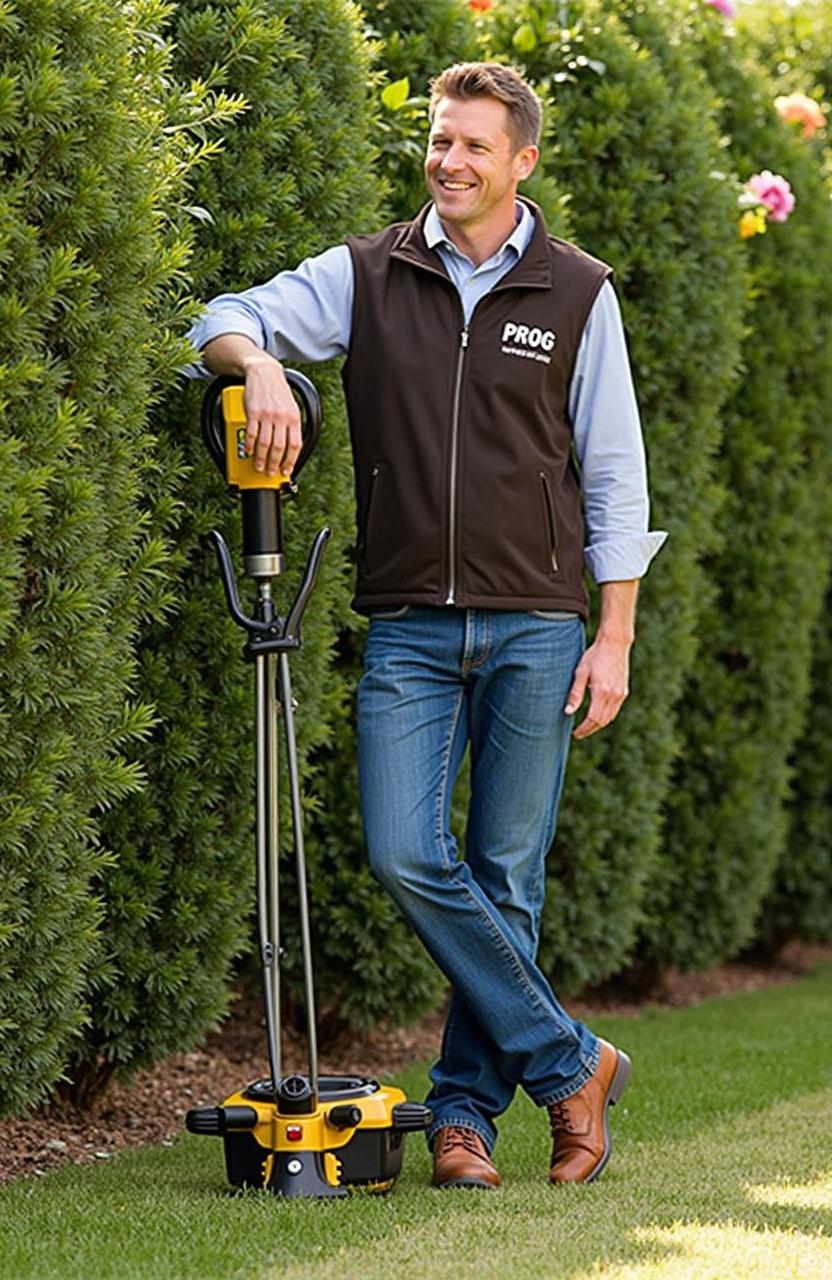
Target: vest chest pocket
x=549 y=525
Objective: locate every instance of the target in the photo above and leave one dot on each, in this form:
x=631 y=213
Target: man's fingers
x=576 y=693
x=284 y=459
x=274 y=443
x=603 y=709
x=263 y=443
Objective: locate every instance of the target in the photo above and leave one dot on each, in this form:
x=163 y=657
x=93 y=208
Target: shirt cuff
x=214 y=325
x=622 y=559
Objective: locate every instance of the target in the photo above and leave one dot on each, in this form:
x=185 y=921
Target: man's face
x=472 y=166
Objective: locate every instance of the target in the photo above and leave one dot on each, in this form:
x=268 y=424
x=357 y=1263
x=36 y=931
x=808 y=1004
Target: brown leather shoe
x=461 y=1160
x=580 y=1127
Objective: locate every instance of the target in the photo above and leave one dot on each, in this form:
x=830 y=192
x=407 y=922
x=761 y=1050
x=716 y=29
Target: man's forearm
x=617 y=621
x=232 y=354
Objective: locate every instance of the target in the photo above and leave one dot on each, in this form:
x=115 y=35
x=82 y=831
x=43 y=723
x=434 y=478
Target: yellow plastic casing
x=239 y=469
x=376 y=1113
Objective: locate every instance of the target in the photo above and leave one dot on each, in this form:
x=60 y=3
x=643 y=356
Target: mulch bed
x=152 y=1108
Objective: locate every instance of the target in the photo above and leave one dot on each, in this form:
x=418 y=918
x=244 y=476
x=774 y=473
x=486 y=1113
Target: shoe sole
x=617 y=1086
x=473 y=1184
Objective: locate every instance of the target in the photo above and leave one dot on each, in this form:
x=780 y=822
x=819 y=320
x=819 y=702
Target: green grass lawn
x=722 y=1170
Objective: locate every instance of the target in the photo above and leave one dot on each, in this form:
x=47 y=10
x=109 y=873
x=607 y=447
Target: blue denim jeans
x=434 y=680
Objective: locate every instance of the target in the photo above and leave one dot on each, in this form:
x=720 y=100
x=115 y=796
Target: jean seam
x=508 y=951
x=576 y=1084
x=443 y=784
x=486 y=644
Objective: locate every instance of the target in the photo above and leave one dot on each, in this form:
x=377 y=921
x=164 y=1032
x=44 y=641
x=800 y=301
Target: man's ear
x=526 y=159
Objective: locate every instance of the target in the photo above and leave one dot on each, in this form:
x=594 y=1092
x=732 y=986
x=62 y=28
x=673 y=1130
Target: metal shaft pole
x=300 y=853
x=268 y=906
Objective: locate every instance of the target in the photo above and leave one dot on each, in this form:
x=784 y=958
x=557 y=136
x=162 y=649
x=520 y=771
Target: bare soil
x=152 y=1108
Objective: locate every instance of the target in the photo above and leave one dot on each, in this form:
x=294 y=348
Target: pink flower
x=728 y=8
x=774 y=192
x=796 y=106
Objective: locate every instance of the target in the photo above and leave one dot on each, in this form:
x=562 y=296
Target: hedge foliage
x=126 y=713
x=92 y=153
x=726 y=822
x=795 y=44
x=635 y=143
x=294 y=177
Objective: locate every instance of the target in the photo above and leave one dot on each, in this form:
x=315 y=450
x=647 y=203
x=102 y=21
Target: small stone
x=166 y=1142
x=55 y=1144
x=39 y=1173
x=103 y=1155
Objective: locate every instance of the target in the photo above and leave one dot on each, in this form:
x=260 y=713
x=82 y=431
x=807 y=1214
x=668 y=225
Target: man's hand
x=604 y=668
x=272 y=416
x=273 y=431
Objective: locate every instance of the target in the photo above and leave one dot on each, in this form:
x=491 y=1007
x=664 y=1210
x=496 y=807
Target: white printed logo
x=528 y=341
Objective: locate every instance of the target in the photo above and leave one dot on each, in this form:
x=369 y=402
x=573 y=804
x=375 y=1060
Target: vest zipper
x=463 y=345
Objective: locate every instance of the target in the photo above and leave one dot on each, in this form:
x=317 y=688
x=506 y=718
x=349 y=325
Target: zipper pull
x=463 y=339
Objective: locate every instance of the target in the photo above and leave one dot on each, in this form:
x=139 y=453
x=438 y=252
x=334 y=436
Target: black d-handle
x=310 y=402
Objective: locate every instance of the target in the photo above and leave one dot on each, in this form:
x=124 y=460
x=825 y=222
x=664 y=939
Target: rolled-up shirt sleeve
x=304 y=314
x=610 y=450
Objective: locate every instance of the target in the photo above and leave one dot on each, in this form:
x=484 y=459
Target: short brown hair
x=492 y=80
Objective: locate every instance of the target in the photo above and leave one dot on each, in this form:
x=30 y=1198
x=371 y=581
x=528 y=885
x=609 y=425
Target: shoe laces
x=457 y=1136
x=561 y=1118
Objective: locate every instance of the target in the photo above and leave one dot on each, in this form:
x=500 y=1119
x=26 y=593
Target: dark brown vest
x=461 y=437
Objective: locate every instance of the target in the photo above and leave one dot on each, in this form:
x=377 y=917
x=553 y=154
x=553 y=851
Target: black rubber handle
x=310 y=402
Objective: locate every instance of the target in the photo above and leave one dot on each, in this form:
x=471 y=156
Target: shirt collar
x=436 y=237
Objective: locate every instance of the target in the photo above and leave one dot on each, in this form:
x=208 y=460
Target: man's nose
x=454 y=157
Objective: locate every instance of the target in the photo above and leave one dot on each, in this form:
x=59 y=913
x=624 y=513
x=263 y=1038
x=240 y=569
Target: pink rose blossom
x=774 y=192
x=727 y=8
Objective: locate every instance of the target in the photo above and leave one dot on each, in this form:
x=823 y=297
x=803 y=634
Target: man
x=480 y=351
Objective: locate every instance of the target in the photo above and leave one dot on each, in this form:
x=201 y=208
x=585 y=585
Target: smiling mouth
x=447 y=185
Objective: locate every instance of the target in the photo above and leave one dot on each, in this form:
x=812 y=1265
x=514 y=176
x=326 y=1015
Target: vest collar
x=532 y=271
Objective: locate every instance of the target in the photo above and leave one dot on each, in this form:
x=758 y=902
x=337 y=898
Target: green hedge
x=89 y=289
x=295 y=177
x=636 y=145
x=795 y=44
x=725 y=822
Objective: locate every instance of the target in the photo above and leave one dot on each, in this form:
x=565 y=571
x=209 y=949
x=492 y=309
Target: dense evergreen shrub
x=294 y=178
x=635 y=144
x=91 y=155
x=795 y=45
x=726 y=822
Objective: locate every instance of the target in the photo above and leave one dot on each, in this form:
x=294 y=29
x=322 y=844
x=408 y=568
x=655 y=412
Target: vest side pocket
x=372 y=502
x=552 y=565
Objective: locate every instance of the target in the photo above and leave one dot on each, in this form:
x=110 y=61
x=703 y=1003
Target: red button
x=294 y=1132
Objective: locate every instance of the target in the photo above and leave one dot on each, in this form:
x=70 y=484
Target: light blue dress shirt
x=306 y=314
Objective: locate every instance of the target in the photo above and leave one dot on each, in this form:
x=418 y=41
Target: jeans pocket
x=388 y=615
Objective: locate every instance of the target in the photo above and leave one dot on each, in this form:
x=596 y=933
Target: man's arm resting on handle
x=605 y=666
x=273 y=431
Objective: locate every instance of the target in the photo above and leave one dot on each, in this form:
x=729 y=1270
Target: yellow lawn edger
x=296 y=1135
